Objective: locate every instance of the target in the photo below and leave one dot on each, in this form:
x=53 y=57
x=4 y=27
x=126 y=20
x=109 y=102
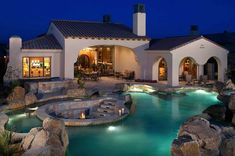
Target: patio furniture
x=118 y=75
x=189 y=79
x=129 y=75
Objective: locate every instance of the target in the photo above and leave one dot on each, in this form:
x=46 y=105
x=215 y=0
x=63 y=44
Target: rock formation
x=49 y=140
x=208 y=134
x=16 y=98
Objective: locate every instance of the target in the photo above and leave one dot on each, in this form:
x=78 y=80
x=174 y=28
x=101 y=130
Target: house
x=71 y=45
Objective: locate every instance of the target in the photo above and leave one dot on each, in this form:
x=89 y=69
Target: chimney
x=139 y=20
x=194 y=30
x=107 y=19
x=15 y=45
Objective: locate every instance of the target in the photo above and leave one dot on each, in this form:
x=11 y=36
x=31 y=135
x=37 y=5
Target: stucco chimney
x=107 y=19
x=139 y=20
x=15 y=45
x=194 y=30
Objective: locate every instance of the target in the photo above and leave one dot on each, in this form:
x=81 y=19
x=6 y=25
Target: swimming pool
x=147 y=132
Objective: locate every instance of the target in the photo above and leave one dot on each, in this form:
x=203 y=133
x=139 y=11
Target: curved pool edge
x=42 y=114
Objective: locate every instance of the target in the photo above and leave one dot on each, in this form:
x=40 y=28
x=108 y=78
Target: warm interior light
x=82 y=115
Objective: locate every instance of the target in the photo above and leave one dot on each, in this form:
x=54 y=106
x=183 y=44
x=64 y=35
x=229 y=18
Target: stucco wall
x=153 y=58
x=200 y=50
x=125 y=59
x=73 y=47
x=55 y=59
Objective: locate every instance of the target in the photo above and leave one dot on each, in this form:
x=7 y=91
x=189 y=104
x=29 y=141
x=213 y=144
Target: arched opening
x=107 y=60
x=211 y=69
x=84 y=61
x=187 y=68
x=162 y=70
x=159 y=70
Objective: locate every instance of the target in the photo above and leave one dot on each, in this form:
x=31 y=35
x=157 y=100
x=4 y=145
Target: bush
x=5 y=138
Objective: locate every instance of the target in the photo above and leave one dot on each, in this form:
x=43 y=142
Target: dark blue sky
x=29 y=18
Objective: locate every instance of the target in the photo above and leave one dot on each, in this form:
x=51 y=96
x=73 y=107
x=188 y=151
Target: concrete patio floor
x=106 y=84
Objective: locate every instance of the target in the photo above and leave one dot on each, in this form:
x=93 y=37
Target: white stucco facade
x=131 y=52
x=200 y=50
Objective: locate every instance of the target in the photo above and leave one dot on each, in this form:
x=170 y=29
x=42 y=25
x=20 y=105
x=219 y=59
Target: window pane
x=25 y=67
x=47 y=66
x=36 y=67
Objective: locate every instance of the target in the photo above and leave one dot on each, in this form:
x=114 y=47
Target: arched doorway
x=211 y=69
x=159 y=69
x=162 y=70
x=84 y=61
x=188 y=66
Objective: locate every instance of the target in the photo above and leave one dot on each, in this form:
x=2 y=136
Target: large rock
x=76 y=92
x=18 y=93
x=224 y=98
x=201 y=130
x=228 y=147
x=218 y=87
x=51 y=139
x=185 y=146
x=121 y=87
x=233 y=120
x=92 y=92
x=217 y=112
x=40 y=139
x=15 y=99
x=40 y=151
x=231 y=104
x=230 y=85
x=27 y=141
x=16 y=104
x=30 y=98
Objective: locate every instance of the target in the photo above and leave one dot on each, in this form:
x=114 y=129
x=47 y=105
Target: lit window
x=36 y=67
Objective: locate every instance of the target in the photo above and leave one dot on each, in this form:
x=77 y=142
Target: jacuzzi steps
x=107 y=106
x=105 y=110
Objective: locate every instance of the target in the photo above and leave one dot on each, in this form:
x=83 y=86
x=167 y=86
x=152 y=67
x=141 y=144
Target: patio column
x=200 y=70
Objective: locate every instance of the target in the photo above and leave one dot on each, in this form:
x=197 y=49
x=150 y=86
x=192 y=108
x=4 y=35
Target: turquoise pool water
x=147 y=132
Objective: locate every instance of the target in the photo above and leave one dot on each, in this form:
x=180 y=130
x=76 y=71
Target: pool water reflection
x=147 y=132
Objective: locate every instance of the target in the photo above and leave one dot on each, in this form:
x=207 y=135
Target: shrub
x=5 y=138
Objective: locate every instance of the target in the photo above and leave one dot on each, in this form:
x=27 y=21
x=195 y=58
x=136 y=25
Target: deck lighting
x=120 y=112
x=123 y=110
x=82 y=115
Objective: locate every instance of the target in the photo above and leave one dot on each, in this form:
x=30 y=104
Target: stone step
x=110 y=102
x=107 y=106
x=105 y=110
x=101 y=114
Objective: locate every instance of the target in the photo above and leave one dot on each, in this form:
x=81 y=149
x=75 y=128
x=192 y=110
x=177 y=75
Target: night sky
x=29 y=18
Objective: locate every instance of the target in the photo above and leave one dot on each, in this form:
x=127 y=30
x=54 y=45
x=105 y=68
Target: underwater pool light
x=200 y=91
x=111 y=128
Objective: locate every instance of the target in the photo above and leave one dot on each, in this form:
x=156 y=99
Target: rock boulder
x=76 y=92
x=185 y=146
x=18 y=93
x=230 y=85
x=51 y=139
x=231 y=104
x=228 y=147
x=201 y=130
x=217 y=112
x=30 y=98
